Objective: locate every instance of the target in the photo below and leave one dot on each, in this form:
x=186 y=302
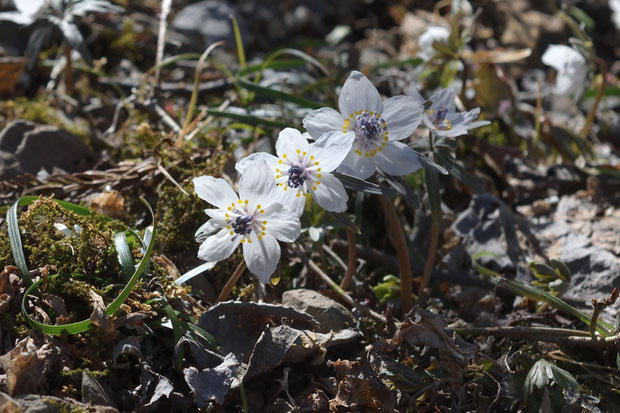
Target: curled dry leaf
x=98 y=316
x=424 y=328
x=27 y=365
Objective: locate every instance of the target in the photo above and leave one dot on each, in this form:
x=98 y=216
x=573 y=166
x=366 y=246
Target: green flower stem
x=599 y=95
x=398 y=238
x=231 y=282
x=352 y=260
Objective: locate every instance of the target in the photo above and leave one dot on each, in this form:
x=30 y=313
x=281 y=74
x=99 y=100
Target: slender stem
x=231 y=282
x=398 y=238
x=430 y=259
x=352 y=260
x=599 y=95
x=343 y=295
x=68 y=71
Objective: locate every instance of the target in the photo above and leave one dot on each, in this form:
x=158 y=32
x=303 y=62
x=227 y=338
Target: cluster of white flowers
x=363 y=137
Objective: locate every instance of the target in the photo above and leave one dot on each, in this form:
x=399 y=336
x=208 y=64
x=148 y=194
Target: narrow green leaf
x=360 y=185
x=459 y=172
x=239 y=43
x=16 y=243
x=250 y=119
x=280 y=64
x=124 y=254
x=278 y=95
x=434 y=196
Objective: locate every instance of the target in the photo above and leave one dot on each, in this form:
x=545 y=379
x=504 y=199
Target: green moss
x=40 y=110
x=65 y=407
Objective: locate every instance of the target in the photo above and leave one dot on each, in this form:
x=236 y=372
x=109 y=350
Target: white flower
x=431 y=35
x=253 y=220
x=374 y=125
x=571 y=67
x=302 y=169
x=442 y=117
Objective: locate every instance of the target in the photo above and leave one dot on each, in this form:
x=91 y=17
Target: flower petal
x=398 y=159
x=558 y=55
x=289 y=141
x=257 y=184
x=282 y=223
x=331 y=149
x=268 y=158
x=215 y=191
x=262 y=256
x=322 y=121
x=330 y=194
x=359 y=166
x=218 y=247
x=402 y=115
x=443 y=98
x=358 y=93
x=290 y=199
x=412 y=91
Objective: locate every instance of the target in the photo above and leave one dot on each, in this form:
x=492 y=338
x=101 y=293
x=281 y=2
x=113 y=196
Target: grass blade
x=278 y=95
x=124 y=254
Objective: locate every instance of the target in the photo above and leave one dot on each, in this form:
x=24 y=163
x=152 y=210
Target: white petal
x=412 y=91
x=262 y=256
x=219 y=246
x=289 y=141
x=330 y=194
x=205 y=230
x=322 y=121
x=331 y=149
x=359 y=166
x=468 y=117
x=443 y=98
x=402 y=115
x=257 y=184
x=268 y=158
x=398 y=159
x=290 y=199
x=558 y=55
x=282 y=223
x=427 y=122
x=215 y=191
x=358 y=93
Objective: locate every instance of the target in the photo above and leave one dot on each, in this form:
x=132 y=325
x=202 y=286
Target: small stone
x=331 y=316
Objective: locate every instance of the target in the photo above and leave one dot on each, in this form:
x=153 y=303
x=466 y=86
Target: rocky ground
x=495 y=331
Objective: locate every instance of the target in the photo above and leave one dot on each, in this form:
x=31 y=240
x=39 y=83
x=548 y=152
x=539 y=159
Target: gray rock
x=483 y=228
x=595 y=271
x=27 y=147
x=331 y=316
x=209 y=19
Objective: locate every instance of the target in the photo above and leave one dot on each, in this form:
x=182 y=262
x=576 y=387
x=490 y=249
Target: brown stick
x=231 y=282
x=548 y=334
x=343 y=295
x=430 y=259
x=351 y=262
x=398 y=238
x=68 y=71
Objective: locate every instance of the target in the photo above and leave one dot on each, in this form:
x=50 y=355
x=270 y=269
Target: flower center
x=302 y=173
x=370 y=130
x=438 y=118
x=296 y=176
x=240 y=220
x=242 y=225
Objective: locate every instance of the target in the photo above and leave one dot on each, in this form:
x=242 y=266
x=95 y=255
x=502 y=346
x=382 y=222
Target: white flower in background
x=27 y=11
x=431 y=35
x=375 y=126
x=302 y=169
x=442 y=117
x=253 y=220
x=571 y=67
